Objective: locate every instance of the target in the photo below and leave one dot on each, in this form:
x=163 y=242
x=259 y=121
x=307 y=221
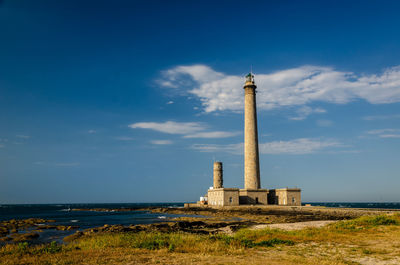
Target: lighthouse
x=252 y=192
x=251 y=156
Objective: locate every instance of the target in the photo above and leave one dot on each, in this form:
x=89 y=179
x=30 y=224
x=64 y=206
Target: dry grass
x=365 y=240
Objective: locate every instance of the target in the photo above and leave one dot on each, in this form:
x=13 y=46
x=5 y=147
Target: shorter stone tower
x=218 y=195
x=218 y=179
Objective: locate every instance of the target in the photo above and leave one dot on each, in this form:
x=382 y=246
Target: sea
x=64 y=215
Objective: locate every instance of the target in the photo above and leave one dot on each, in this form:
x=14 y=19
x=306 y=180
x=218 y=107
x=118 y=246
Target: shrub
x=51 y=248
x=22 y=247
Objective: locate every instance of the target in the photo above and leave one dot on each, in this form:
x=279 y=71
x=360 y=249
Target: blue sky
x=132 y=101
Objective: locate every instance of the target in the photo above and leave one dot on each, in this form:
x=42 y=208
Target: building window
x=293 y=200
x=230 y=199
x=256 y=199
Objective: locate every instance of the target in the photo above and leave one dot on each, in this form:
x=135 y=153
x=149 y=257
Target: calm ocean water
x=84 y=219
x=88 y=219
x=374 y=205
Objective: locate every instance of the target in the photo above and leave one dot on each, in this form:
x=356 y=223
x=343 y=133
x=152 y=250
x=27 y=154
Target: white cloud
x=161 y=142
x=324 y=123
x=41 y=163
x=170 y=102
x=381 y=117
x=382 y=131
x=23 y=136
x=385 y=133
x=294 y=147
x=229 y=148
x=216 y=134
x=305 y=111
x=297 y=146
x=124 y=138
x=292 y=87
x=187 y=129
x=389 y=135
x=92 y=131
x=170 y=127
x=73 y=164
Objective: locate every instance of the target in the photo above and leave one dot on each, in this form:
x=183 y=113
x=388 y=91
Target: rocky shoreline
x=274 y=214
x=227 y=220
x=206 y=221
x=27 y=229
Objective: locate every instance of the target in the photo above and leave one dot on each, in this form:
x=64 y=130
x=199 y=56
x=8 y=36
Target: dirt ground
x=293 y=226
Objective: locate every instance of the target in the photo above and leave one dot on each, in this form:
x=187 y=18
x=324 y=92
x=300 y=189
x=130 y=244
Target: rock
x=182 y=225
x=3 y=239
x=66 y=228
x=135 y=228
x=48 y=227
x=163 y=227
x=24 y=237
x=73 y=237
x=3 y=231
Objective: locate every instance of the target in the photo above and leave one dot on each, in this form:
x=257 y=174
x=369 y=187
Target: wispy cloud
x=297 y=146
x=3 y=140
x=170 y=127
x=229 y=148
x=291 y=87
x=380 y=131
x=293 y=147
x=385 y=133
x=304 y=112
x=74 y=164
x=390 y=135
x=187 y=129
x=57 y=164
x=170 y=102
x=22 y=136
x=216 y=134
x=381 y=117
x=324 y=123
x=124 y=138
x=92 y=131
x=161 y=142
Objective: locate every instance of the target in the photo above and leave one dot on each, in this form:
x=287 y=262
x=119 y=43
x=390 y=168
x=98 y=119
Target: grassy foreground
x=365 y=240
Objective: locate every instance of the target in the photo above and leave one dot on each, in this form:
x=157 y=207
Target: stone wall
x=290 y=197
x=256 y=196
x=223 y=197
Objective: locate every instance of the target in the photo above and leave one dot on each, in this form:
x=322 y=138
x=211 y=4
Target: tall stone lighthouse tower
x=251 y=159
x=252 y=192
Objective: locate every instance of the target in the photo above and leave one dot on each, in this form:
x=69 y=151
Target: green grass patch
x=24 y=248
x=367 y=222
x=220 y=243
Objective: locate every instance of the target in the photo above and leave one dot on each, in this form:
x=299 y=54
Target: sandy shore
x=293 y=226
